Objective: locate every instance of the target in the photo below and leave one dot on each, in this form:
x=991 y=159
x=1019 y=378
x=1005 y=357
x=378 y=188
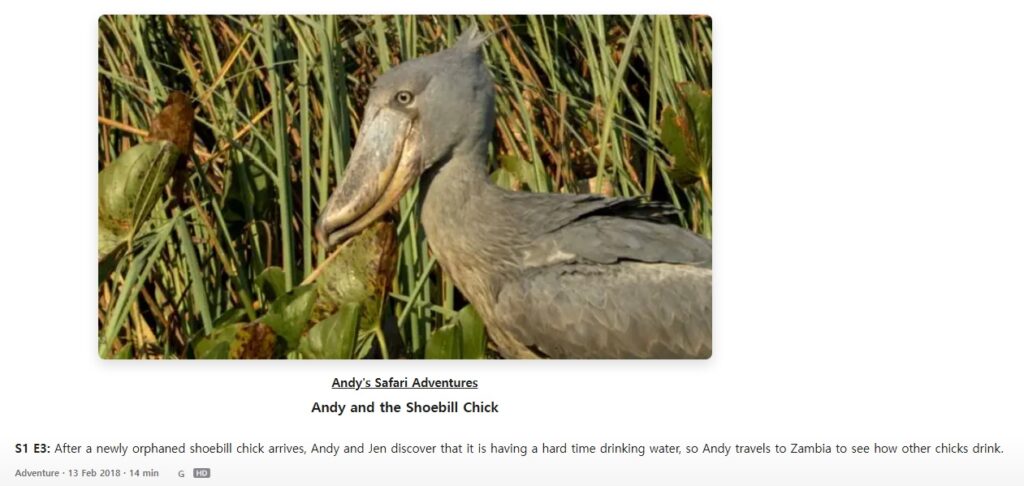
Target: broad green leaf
x=129 y=189
x=502 y=178
x=360 y=271
x=699 y=103
x=445 y=343
x=238 y=341
x=229 y=316
x=474 y=337
x=462 y=338
x=272 y=277
x=334 y=337
x=249 y=192
x=520 y=169
x=289 y=314
x=253 y=341
x=218 y=344
x=678 y=137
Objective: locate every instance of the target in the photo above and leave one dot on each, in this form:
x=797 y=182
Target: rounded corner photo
x=404 y=187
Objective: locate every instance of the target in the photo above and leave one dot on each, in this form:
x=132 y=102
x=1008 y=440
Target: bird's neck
x=460 y=179
x=466 y=228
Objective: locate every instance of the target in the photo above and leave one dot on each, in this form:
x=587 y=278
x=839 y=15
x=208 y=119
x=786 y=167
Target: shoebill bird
x=556 y=275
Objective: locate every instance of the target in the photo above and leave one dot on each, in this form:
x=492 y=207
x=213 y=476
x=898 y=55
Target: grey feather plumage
x=626 y=310
x=613 y=279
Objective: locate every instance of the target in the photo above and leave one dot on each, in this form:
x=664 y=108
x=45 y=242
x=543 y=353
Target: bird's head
x=420 y=114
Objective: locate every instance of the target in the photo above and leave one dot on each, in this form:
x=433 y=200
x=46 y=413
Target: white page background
x=868 y=275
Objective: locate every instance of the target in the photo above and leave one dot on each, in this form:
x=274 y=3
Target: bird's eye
x=404 y=97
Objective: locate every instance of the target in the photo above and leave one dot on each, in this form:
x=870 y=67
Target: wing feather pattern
x=608 y=278
x=626 y=310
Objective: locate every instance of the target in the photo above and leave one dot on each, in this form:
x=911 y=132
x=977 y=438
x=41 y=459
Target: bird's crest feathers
x=472 y=38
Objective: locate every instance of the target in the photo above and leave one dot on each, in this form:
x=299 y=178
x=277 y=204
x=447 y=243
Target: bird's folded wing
x=588 y=228
x=627 y=310
x=608 y=239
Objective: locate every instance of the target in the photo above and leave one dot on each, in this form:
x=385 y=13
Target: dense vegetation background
x=216 y=258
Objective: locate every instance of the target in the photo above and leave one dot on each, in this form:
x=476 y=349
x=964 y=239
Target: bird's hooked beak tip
x=320 y=233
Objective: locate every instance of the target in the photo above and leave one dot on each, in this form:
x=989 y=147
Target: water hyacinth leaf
x=687 y=136
x=129 y=189
x=520 y=169
x=253 y=341
x=229 y=316
x=154 y=178
x=445 y=342
x=360 y=271
x=474 y=337
x=679 y=138
x=289 y=314
x=502 y=178
x=699 y=103
x=238 y=341
x=272 y=279
x=218 y=344
x=334 y=337
x=249 y=192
